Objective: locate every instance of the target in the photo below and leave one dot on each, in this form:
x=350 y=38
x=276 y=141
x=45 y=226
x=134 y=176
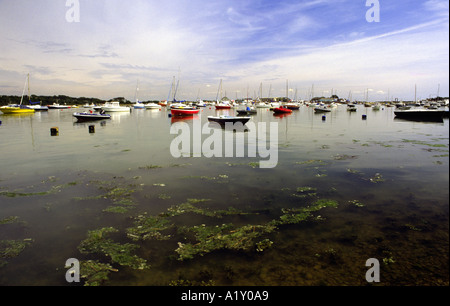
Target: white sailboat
x=18 y=108
x=138 y=104
x=37 y=106
x=115 y=107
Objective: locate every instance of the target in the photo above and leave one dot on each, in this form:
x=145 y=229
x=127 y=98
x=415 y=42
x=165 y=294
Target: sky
x=109 y=48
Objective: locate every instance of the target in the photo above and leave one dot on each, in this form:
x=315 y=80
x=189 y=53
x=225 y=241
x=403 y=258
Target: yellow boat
x=16 y=109
x=19 y=108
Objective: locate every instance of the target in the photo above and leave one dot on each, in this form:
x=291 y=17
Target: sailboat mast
x=171 y=89
x=23 y=91
x=415 y=93
x=28 y=81
x=176 y=89
x=219 y=90
x=136 y=94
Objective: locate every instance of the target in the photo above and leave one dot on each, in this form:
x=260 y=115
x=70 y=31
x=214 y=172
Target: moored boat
x=184 y=112
x=247 y=111
x=38 y=107
x=16 y=109
x=152 y=106
x=292 y=106
x=19 y=108
x=232 y=119
x=139 y=105
x=57 y=106
x=351 y=108
x=115 y=107
x=420 y=114
x=91 y=116
x=223 y=106
x=321 y=109
x=282 y=110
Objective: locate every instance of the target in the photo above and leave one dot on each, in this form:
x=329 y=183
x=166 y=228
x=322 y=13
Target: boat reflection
x=175 y=119
x=281 y=115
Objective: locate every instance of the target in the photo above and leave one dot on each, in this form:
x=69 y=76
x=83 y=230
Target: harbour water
x=344 y=190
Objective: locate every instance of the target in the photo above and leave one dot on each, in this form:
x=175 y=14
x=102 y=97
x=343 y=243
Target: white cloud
x=245 y=43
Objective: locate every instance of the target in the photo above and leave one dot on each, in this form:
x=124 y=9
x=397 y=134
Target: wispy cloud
x=243 y=42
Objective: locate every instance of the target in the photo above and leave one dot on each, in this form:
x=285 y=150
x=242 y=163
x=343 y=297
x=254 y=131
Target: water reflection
x=389 y=178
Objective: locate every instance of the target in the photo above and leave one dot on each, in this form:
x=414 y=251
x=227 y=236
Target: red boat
x=282 y=110
x=223 y=106
x=184 y=112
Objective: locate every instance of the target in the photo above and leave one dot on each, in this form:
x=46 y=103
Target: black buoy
x=170 y=115
x=54 y=131
x=0 y=123
x=92 y=129
x=364 y=117
x=324 y=118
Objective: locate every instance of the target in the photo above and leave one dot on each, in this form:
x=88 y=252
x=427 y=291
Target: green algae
x=263 y=245
x=225 y=236
x=312 y=161
x=150 y=167
x=12 y=248
x=354 y=171
x=423 y=143
x=97 y=242
x=149 y=227
x=306 y=191
x=189 y=207
x=228 y=236
x=9 y=220
x=94 y=272
x=121 y=198
x=53 y=190
x=356 y=203
x=377 y=178
x=164 y=196
x=297 y=215
x=344 y=157
x=220 y=179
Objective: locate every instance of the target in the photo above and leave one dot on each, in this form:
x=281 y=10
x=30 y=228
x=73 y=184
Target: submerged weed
x=94 y=272
x=97 y=242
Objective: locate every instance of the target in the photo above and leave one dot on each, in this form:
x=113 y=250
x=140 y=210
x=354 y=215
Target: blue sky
x=321 y=43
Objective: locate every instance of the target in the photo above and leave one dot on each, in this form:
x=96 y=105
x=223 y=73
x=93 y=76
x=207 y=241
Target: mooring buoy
x=54 y=131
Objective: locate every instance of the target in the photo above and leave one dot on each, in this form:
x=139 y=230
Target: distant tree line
x=61 y=99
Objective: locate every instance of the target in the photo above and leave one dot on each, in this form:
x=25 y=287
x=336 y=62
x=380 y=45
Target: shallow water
x=389 y=177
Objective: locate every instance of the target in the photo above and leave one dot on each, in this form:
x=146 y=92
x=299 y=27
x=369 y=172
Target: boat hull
x=152 y=106
x=321 y=110
x=222 y=120
x=16 y=110
x=420 y=115
x=292 y=107
x=58 y=107
x=246 y=112
x=184 y=112
x=90 y=117
x=279 y=110
x=223 y=106
x=116 y=109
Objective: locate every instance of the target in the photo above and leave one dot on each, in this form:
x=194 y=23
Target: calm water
x=389 y=178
